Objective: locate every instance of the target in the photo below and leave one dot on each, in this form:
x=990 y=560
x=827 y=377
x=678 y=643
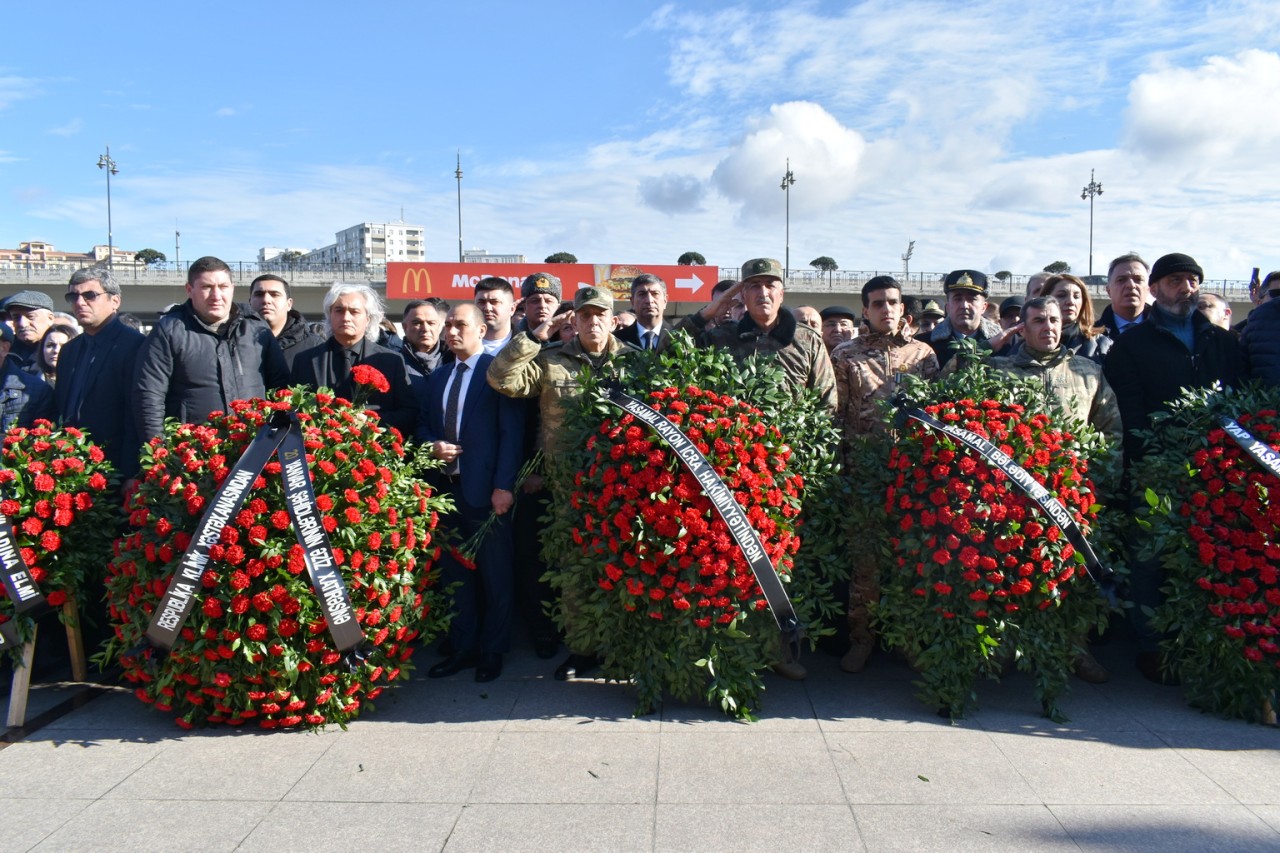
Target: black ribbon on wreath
x=1257 y=449
x=18 y=585
x=727 y=507
x=1000 y=460
x=282 y=435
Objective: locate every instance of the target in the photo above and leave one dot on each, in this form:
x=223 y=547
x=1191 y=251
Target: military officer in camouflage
x=767 y=328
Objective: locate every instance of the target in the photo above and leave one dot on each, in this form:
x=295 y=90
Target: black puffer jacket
x=1260 y=342
x=1148 y=367
x=296 y=336
x=185 y=371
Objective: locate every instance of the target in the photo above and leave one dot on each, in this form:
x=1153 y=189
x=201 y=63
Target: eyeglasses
x=87 y=295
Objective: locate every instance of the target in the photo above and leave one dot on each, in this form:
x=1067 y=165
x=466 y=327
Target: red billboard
x=458 y=281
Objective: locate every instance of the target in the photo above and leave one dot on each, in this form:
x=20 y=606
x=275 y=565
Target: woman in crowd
x=1078 y=332
x=50 y=347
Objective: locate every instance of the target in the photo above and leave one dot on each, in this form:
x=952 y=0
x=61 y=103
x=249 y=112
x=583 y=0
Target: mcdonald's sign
x=456 y=281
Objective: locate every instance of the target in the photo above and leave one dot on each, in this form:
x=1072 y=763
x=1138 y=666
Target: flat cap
x=838 y=311
x=29 y=299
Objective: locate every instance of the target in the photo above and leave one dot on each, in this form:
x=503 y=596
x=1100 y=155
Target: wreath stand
x=21 y=685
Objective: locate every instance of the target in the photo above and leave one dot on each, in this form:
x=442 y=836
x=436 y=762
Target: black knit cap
x=1176 y=262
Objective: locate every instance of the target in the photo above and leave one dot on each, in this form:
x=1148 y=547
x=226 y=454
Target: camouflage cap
x=597 y=297
x=763 y=266
x=541 y=282
x=971 y=280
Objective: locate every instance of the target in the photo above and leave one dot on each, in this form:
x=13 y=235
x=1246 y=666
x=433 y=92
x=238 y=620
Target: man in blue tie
x=649 y=302
x=478 y=433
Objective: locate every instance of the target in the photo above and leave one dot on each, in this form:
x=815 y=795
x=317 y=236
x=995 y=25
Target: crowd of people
x=483 y=384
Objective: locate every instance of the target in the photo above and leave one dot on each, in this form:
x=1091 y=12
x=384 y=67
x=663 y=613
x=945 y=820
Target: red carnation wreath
x=980 y=575
x=256 y=649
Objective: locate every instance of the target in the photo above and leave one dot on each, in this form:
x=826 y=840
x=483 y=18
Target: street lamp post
x=1091 y=190
x=105 y=162
x=458 y=174
x=787 y=180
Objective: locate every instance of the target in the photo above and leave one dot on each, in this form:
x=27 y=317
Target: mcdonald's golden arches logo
x=418 y=276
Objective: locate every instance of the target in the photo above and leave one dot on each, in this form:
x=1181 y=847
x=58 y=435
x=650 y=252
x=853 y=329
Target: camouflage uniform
x=526 y=368
x=867 y=371
x=1075 y=381
x=797 y=349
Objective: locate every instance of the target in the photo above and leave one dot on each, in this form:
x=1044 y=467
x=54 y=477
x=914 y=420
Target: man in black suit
x=649 y=301
x=477 y=432
x=352 y=316
x=95 y=370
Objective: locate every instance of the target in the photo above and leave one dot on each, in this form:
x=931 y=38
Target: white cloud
x=225 y=112
x=1209 y=115
x=71 y=128
x=14 y=88
x=824 y=159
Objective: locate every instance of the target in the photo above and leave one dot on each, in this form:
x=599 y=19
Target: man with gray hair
x=649 y=301
x=1130 y=294
x=204 y=353
x=95 y=369
x=30 y=315
x=352 y=316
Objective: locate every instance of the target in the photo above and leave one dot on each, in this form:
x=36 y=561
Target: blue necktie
x=451 y=414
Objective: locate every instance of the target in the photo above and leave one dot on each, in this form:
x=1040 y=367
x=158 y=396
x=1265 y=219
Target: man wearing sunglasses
x=95 y=370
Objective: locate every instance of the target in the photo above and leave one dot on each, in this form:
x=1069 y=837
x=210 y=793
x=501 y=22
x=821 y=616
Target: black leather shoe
x=545 y=646
x=489 y=668
x=577 y=666
x=452 y=665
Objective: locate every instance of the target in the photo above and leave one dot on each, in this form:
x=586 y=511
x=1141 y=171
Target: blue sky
x=631 y=132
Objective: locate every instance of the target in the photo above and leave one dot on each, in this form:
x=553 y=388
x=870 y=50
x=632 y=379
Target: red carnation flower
x=370 y=377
